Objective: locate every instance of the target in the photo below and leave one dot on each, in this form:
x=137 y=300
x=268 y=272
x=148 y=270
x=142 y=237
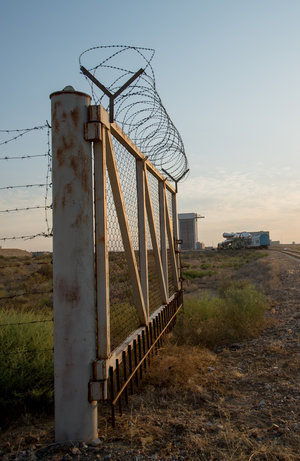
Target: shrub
x=26 y=364
x=192 y=274
x=235 y=314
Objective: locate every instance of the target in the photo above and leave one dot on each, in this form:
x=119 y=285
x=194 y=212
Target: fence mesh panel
x=123 y=315
x=154 y=290
x=154 y=193
x=171 y=279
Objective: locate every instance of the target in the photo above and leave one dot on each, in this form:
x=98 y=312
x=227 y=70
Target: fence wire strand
x=11 y=137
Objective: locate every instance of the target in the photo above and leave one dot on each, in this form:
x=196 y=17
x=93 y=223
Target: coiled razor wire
x=138 y=110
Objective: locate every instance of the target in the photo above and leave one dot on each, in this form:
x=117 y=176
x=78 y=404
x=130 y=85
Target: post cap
x=68 y=88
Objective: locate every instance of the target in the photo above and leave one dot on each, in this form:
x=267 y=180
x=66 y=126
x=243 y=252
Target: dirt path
x=239 y=403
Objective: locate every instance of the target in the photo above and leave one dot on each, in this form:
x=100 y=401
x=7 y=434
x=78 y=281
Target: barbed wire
x=139 y=110
x=26 y=208
x=13 y=136
x=48 y=183
x=23 y=186
x=28 y=237
x=23 y=157
x=21 y=132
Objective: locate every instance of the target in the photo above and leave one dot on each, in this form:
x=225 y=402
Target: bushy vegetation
x=190 y=274
x=26 y=365
x=235 y=314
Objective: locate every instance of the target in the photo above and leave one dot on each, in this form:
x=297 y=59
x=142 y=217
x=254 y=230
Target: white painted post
x=73 y=268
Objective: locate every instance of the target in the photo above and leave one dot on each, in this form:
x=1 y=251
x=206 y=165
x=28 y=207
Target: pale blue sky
x=228 y=72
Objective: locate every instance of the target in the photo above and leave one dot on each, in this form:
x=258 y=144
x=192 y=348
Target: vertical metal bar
x=111 y=109
x=140 y=177
x=165 y=316
x=101 y=251
x=130 y=367
x=125 y=375
x=172 y=253
x=140 y=355
x=148 y=342
x=155 y=333
x=163 y=236
x=112 y=396
x=118 y=386
x=158 y=330
x=176 y=236
x=144 y=348
x=135 y=362
x=73 y=267
x=160 y=327
x=168 y=316
x=151 y=334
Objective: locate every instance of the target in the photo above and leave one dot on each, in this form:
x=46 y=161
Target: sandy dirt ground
x=239 y=402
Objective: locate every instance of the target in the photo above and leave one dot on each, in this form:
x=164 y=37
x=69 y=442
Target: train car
x=260 y=239
x=238 y=240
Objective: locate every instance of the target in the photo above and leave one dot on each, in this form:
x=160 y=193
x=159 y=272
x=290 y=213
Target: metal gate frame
x=80 y=264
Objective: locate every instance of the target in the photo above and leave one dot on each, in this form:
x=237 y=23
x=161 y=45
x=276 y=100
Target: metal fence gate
x=116 y=278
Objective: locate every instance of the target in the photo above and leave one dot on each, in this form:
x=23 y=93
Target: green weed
x=192 y=274
x=235 y=314
x=26 y=363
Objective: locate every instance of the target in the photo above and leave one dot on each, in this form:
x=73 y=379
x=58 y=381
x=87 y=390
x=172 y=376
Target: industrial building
x=188 y=230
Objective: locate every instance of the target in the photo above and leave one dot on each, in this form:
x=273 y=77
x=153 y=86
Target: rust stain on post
x=68 y=292
x=60 y=156
x=83 y=172
x=81 y=219
x=67 y=145
x=75 y=115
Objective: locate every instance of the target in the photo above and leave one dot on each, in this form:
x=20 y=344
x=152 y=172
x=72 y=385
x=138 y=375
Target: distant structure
x=257 y=239
x=188 y=230
x=260 y=239
x=274 y=242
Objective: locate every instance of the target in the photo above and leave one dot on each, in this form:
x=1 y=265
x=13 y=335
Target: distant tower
x=188 y=230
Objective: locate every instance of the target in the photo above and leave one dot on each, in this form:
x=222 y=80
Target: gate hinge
x=97 y=390
x=92 y=131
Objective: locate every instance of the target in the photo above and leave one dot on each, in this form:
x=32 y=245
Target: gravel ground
x=239 y=402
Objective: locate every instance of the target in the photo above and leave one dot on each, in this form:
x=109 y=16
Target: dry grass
x=235 y=403
x=235 y=314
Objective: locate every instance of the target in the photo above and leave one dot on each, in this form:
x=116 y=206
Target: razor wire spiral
x=139 y=110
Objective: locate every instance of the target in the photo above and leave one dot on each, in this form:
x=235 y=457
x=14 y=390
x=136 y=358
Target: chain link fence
x=123 y=315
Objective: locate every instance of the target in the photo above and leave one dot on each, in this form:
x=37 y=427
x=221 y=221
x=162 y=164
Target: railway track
x=293 y=253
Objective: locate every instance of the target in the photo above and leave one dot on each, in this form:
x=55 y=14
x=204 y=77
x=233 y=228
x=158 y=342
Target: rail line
x=293 y=253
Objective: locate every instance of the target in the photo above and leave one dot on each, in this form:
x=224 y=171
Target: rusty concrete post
x=73 y=268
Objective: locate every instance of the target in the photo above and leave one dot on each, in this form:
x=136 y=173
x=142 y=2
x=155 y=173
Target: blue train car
x=260 y=239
